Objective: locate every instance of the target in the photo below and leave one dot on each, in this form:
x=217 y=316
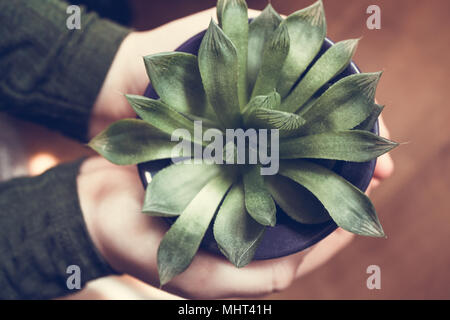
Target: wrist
x=109 y=196
x=125 y=76
x=89 y=189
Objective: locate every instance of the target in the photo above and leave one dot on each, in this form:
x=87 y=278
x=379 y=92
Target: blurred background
x=412 y=47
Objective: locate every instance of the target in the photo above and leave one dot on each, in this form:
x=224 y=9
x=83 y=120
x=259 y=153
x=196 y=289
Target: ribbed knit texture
x=42 y=232
x=49 y=75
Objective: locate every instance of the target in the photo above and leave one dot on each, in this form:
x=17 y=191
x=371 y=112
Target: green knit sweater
x=49 y=75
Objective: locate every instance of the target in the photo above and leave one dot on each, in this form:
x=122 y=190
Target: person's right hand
x=111 y=198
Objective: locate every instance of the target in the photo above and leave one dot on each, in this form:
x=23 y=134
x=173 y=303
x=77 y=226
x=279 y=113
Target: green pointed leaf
x=310 y=102
x=329 y=65
x=236 y=233
x=307 y=30
x=343 y=106
x=349 y=145
x=287 y=123
x=163 y=117
x=176 y=78
x=351 y=209
x=269 y=102
x=329 y=164
x=258 y=201
x=369 y=123
x=219 y=8
x=275 y=54
x=259 y=33
x=316 y=96
x=173 y=188
x=159 y=114
x=218 y=64
x=298 y=203
x=180 y=244
x=132 y=141
x=233 y=17
x=206 y=123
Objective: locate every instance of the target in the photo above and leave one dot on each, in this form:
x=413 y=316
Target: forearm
x=50 y=74
x=42 y=232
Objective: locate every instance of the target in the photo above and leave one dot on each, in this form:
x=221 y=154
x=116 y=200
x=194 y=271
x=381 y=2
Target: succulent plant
x=266 y=74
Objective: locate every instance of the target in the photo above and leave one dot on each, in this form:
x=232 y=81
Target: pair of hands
x=111 y=197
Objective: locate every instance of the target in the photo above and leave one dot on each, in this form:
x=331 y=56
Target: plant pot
x=288 y=236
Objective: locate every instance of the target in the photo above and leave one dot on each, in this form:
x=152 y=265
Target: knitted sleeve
x=50 y=74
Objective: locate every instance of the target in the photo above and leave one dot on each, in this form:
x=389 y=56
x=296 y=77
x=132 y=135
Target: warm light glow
x=148 y=176
x=41 y=162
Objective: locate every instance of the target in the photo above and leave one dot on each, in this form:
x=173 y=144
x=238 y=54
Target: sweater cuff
x=44 y=237
x=52 y=75
x=86 y=60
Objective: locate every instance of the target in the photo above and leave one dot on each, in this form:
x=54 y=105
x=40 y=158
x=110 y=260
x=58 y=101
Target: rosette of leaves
x=247 y=76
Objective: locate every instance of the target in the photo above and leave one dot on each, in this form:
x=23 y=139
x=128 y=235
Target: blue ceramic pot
x=288 y=236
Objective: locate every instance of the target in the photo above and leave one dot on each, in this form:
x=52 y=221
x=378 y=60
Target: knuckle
x=283 y=274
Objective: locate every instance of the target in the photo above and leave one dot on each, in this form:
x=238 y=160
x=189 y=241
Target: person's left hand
x=127 y=73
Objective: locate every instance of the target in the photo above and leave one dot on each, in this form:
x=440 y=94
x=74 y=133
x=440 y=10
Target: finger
x=182 y=29
x=385 y=165
x=384 y=131
x=324 y=251
x=205 y=277
x=119 y=288
x=374 y=183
